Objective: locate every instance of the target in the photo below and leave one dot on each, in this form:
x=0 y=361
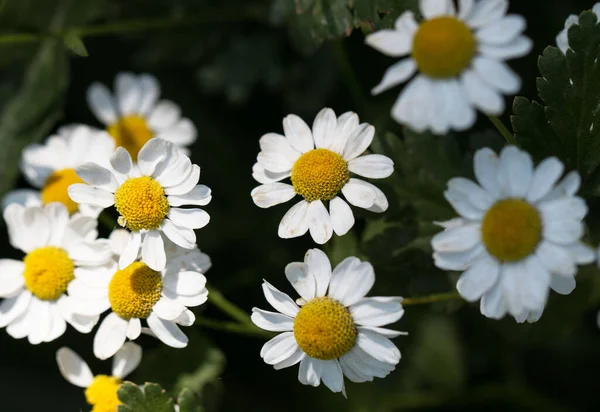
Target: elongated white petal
x=272 y=321
x=342 y=218
x=351 y=280
x=110 y=336
x=82 y=193
x=295 y=222
x=153 y=251
x=126 y=360
x=302 y=280
x=272 y=194
x=168 y=332
x=73 y=368
x=279 y=300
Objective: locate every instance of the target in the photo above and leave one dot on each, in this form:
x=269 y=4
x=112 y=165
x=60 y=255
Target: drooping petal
x=73 y=368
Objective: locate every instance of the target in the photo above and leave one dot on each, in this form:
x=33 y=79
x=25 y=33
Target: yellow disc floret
x=142 y=203
x=102 y=393
x=134 y=291
x=319 y=174
x=511 y=229
x=55 y=188
x=48 y=271
x=131 y=133
x=443 y=47
x=324 y=329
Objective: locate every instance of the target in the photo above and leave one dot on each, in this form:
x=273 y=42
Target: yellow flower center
x=319 y=174
x=102 y=393
x=511 y=229
x=443 y=47
x=131 y=133
x=48 y=271
x=55 y=188
x=324 y=329
x=142 y=203
x=134 y=291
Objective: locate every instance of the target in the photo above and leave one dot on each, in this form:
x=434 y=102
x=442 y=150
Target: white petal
x=324 y=128
x=150 y=92
x=200 y=195
x=359 y=193
x=396 y=74
x=278 y=349
x=131 y=251
x=97 y=176
x=181 y=236
x=295 y=222
x=568 y=186
x=187 y=185
x=279 y=300
x=516 y=171
x=168 y=309
x=435 y=8
x=493 y=304
x=304 y=282
x=486 y=164
x=82 y=193
x=347 y=126
x=456 y=239
x=73 y=368
x=390 y=42
x=298 y=133
x=190 y=218
x=556 y=259
x=126 y=360
x=102 y=103
x=182 y=133
x=476 y=196
x=373 y=166
x=563 y=285
x=14 y=307
x=351 y=280
x=23 y=197
x=292 y=360
x=187 y=318
x=319 y=222
x=332 y=375
x=581 y=253
x=502 y=31
x=175 y=171
x=359 y=141
x=276 y=153
x=459 y=260
x=546 y=174
x=134 y=328
x=487 y=11
x=518 y=47
x=378 y=347
x=482 y=96
x=309 y=372
x=272 y=321
x=11 y=275
x=186 y=283
x=272 y=194
x=478 y=279
x=377 y=311
x=128 y=93
x=110 y=336
x=164 y=115
x=465 y=8
x=151 y=154
x=153 y=250
x=381 y=203
x=320 y=268
x=563 y=232
x=168 y=332
x=342 y=218
x=261 y=175
x=497 y=74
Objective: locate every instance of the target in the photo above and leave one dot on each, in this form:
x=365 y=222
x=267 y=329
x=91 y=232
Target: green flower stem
x=216 y=298
x=216 y=16
x=436 y=297
x=510 y=138
x=233 y=327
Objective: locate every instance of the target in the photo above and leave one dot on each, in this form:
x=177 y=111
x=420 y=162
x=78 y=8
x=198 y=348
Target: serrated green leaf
x=569 y=125
x=29 y=113
x=75 y=44
x=152 y=398
x=188 y=401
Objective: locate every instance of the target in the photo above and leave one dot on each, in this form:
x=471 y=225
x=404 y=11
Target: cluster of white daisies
x=518 y=235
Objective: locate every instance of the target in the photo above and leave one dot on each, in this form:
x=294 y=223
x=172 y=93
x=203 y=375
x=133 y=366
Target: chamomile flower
x=100 y=390
x=562 y=40
x=58 y=248
x=147 y=196
x=333 y=330
x=138 y=292
x=134 y=115
x=459 y=61
x=50 y=167
x=518 y=235
x=319 y=163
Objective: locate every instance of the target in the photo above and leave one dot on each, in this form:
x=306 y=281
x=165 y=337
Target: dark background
x=236 y=75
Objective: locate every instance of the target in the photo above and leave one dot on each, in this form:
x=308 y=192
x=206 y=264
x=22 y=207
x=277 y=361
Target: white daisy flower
x=336 y=330
x=147 y=196
x=319 y=163
x=137 y=292
x=50 y=167
x=58 y=248
x=134 y=115
x=100 y=390
x=518 y=234
x=562 y=40
x=459 y=61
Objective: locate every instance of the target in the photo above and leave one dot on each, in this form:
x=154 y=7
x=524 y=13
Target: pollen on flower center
x=511 y=229
x=443 y=47
x=48 y=271
x=134 y=291
x=324 y=329
x=131 y=133
x=319 y=174
x=102 y=393
x=142 y=203
x=55 y=188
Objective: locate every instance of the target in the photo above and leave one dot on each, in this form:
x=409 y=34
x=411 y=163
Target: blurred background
x=236 y=68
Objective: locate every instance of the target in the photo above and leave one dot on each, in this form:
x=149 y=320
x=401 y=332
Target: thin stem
x=220 y=301
x=233 y=327
x=436 y=297
x=138 y=25
x=510 y=138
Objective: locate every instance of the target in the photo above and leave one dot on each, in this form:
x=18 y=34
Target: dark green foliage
x=150 y=398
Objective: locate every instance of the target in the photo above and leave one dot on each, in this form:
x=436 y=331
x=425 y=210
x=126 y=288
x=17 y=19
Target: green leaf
x=188 y=401
x=75 y=44
x=29 y=113
x=566 y=124
x=152 y=398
